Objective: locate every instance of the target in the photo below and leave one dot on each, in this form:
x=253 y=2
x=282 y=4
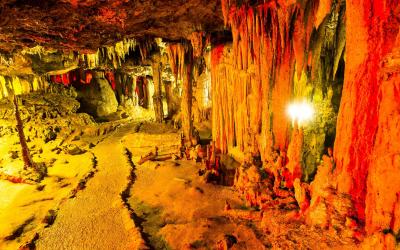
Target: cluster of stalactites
x=37 y=50
x=177 y=58
x=199 y=40
x=18 y=85
x=284 y=28
x=78 y=76
x=271 y=42
x=145 y=47
x=116 y=54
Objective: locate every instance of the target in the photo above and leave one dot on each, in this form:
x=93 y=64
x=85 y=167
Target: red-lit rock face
x=86 y=25
x=367 y=141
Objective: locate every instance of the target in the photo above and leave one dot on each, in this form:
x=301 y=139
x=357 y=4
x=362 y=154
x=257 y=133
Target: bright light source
x=300 y=112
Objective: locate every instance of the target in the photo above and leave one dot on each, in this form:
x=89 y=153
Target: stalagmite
x=26 y=156
x=294 y=153
x=168 y=97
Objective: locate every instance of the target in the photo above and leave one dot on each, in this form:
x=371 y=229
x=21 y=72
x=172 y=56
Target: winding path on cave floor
x=96 y=217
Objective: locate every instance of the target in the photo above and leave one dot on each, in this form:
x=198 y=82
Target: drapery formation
x=280 y=52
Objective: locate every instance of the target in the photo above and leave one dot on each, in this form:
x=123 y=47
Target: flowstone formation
x=279 y=54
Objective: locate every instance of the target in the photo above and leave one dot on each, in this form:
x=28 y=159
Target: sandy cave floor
x=179 y=210
x=172 y=207
x=24 y=207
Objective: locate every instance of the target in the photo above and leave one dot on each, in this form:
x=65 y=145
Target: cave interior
x=199 y=124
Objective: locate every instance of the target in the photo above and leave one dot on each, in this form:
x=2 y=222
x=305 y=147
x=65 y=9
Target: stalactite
x=146 y=45
x=324 y=7
x=21 y=85
x=3 y=87
x=341 y=41
x=91 y=60
x=261 y=48
x=225 y=10
x=37 y=50
x=111 y=79
x=176 y=54
x=198 y=43
x=115 y=54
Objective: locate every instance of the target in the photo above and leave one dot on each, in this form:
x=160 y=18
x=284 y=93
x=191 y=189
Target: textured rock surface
x=86 y=25
x=367 y=142
x=45 y=115
x=98 y=98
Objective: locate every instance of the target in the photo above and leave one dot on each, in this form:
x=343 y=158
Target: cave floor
x=96 y=218
x=159 y=205
x=178 y=209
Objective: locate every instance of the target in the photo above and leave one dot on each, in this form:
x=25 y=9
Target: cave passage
x=191 y=124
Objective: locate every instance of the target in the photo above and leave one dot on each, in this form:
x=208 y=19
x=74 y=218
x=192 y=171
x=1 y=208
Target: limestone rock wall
x=46 y=116
x=367 y=141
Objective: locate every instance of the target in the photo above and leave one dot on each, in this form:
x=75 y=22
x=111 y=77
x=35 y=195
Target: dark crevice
x=20 y=229
x=82 y=183
x=126 y=194
x=31 y=245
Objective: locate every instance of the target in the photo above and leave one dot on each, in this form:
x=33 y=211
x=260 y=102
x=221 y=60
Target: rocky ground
x=62 y=141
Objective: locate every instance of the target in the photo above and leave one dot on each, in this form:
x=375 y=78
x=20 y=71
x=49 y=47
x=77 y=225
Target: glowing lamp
x=300 y=112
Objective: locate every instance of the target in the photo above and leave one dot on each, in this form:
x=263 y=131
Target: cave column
x=157 y=97
x=186 y=105
x=169 y=97
x=366 y=149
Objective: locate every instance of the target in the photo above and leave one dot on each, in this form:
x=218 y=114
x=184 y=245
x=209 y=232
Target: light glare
x=300 y=112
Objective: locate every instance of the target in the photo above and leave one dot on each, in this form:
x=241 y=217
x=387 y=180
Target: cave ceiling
x=85 y=25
